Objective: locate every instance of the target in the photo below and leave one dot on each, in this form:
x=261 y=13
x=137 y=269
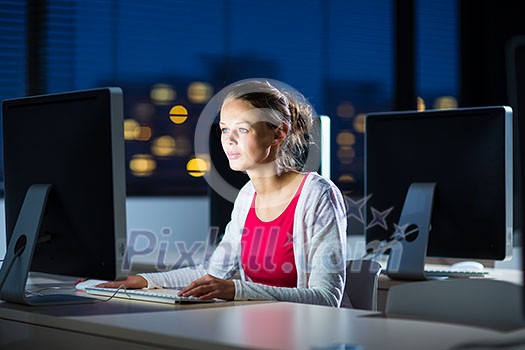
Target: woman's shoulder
x=320 y=195
x=318 y=187
x=314 y=181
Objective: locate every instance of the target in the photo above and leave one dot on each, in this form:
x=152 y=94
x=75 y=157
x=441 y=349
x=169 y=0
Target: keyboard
x=166 y=296
x=454 y=273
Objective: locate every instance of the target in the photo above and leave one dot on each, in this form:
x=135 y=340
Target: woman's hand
x=132 y=282
x=209 y=287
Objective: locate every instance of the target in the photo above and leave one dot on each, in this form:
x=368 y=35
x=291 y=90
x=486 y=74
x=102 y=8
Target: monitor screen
x=467 y=153
x=73 y=141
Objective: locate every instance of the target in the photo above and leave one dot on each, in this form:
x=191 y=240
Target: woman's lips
x=233 y=155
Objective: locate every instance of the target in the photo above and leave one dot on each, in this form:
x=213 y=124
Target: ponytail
x=295 y=151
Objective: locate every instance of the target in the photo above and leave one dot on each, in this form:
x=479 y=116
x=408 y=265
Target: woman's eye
x=224 y=130
x=243 y=130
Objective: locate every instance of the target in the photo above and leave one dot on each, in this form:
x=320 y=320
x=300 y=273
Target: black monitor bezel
x=102 y=258
x=505 y=113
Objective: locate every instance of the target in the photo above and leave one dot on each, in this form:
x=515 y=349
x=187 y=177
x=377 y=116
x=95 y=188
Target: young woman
x=287 y=234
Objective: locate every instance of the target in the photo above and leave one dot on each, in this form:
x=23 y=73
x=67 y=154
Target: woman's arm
x=223 y=263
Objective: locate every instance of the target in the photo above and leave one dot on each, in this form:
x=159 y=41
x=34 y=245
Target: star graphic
x=355 y=208
x=379 y=218
x=289 y=239
x=399 y=232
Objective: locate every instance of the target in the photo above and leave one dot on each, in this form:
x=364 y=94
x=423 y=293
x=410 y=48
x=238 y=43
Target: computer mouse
x=468 y=266
x=88 y=283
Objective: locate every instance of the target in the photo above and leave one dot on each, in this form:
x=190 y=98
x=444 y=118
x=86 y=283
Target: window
x=170 y=57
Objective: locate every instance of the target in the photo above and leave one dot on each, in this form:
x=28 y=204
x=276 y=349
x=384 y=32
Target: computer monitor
x=464 y=157
x=64 y=175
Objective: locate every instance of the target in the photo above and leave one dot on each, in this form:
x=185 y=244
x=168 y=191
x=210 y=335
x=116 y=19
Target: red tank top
x=267 y=255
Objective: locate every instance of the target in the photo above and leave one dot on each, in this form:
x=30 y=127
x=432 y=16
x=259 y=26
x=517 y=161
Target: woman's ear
x=280 y=134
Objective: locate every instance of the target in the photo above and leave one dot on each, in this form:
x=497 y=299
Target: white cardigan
x=319 y=243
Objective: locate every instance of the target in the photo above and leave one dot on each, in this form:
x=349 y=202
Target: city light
x=178 y=114
x=142 y=165
x=199 y=92
x=162 y=94
x=197 y=167
x=163 y=146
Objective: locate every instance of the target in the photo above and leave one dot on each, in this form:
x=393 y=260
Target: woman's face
x=246 y=137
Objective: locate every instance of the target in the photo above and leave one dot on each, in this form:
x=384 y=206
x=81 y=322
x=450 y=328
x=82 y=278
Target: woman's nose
x=229 y=139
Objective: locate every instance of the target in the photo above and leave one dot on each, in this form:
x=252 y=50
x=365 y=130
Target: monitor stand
x=20 y=250
x=407 y=255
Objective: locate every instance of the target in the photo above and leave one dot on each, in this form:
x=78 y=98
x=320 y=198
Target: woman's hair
x=281 y=107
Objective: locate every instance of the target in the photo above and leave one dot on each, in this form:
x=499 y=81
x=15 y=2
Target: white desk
x=256 y=326
x=237 y=325
x=501 y=274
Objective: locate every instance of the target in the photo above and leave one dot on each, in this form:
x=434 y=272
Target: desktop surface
x=501 y=274
x=251 y=326
x=229 y=325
